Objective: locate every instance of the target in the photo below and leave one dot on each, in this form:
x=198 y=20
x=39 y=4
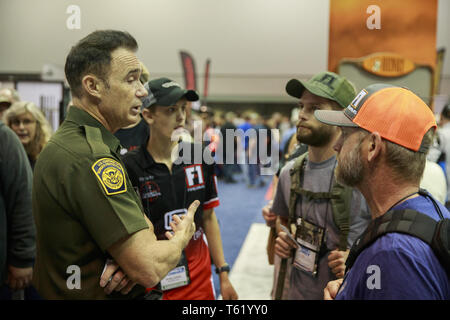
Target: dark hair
x=446 y=111
x=92 y=54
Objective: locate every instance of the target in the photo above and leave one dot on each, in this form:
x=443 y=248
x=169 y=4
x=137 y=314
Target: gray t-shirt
x=318 y=178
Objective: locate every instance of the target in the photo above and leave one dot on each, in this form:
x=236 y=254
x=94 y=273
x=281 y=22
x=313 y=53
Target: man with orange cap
x=385 y=134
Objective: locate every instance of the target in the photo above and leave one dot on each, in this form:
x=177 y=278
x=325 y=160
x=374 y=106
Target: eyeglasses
x=25 y=122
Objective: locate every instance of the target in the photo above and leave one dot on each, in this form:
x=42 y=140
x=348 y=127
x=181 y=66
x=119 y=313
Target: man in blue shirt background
x=385 y=134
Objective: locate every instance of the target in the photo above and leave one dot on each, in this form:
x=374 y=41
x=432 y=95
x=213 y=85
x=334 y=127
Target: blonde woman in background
x=30 y=125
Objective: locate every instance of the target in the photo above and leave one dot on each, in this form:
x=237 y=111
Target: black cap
x=166 y=92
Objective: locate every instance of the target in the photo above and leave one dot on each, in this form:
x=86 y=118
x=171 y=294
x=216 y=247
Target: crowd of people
x=248 y=132
x=116 y=204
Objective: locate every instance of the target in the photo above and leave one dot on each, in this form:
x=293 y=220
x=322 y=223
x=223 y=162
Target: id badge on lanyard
x=177 y=277
x=310 y=238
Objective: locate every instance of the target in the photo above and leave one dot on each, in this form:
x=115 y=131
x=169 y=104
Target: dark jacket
x=17 y=229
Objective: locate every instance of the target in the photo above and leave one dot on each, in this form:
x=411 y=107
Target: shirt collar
x=146 y=160
x=82 y=118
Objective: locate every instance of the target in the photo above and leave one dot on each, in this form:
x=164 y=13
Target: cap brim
x=191 y=95
x=295 y=88
x=173 y=97
x=334 y=118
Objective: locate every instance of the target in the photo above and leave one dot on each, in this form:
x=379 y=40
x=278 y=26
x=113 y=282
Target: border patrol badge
x=111 y=175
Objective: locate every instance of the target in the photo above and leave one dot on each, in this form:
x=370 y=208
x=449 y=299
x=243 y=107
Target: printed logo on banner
x=194 y=176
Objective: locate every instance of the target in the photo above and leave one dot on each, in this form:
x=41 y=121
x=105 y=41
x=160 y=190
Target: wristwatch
x=224 y=268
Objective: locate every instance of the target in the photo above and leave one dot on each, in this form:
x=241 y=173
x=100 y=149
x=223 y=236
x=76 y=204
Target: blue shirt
x=398 y=266
x=244 y=127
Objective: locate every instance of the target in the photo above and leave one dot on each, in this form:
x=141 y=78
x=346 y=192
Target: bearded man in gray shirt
x=317 y=245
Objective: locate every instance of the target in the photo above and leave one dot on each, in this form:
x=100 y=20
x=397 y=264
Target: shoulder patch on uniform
x=111 y=175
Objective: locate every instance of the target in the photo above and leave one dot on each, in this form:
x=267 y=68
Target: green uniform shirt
x=83 y=202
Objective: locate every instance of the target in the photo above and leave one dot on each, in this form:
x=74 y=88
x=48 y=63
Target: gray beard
x=350 y=170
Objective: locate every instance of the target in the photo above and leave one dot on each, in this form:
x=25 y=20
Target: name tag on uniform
x=177 y=277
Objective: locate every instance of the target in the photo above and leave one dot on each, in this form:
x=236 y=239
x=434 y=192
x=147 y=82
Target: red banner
x=205 y=89
x=190 y=78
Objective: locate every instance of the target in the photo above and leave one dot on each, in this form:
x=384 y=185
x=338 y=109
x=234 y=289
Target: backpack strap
x=341 y=202
x=296 y=181
x=310 y=195
x=293 y=196
x=340 y=197
x=405 y=221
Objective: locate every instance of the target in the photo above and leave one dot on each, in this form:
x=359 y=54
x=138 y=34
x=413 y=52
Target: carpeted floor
x=239 y=208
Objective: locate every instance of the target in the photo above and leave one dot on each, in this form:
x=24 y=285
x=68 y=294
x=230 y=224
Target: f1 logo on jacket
x=194 y=176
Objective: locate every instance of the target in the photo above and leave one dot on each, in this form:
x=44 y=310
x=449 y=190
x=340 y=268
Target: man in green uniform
x=85 y=208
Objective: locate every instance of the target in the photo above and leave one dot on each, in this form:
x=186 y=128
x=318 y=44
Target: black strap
x=425 y=193
x=405 y=221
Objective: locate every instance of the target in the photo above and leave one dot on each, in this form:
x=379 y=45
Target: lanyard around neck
x=409 y=195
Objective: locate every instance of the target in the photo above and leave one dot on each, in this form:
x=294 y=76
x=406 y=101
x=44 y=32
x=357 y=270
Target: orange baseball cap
x=396 y=113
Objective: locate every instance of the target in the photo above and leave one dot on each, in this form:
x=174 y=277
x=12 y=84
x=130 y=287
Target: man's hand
x=19 y=278
x=332 y=288
x=284 y=245
x=269 y=216
x=184 y=226
x=336 y=262
x=114 y=279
